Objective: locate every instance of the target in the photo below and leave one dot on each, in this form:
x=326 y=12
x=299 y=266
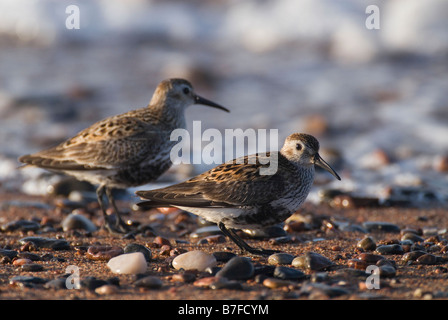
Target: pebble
x=223 y=256
x=75 y=221
x=48 y=243
x=318 y=289
x=218 y=238
x=357 y=264
x=280 y=258
x=8 y=253
x=379 y=226
x=237 y=268
x=370 y=257
x=20 y=225
x=387 y=249
x=149 y=282
x=367 y=243
x=185 y=277
x=427 y=259
x=274 y=283
x=194 y=260
x=56 y=284
x=387 y=271
x=412 y=256
x=91 y=283
x=103 y=253
x=106 y=289
x=128 y=263
x=229 y=285
x=27 y=281
x=312 y=261
x=161 y=241
x=286 y=273
x=29 y=255
x=209 y=281
x=135 y=247
x=268 y=232
x=21 y=262
x=412 y=237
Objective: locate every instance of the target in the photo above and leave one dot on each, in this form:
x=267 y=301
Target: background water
x=376 y=99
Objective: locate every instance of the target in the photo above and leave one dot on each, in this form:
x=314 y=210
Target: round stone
x=76 y=221
x=312 y=261
x=367 y=243
x=238 y=268
x=194 y=260
x=280 y=258
x=128 y=263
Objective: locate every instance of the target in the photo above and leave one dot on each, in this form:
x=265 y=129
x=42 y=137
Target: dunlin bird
x=235 y=195
x=125 y=150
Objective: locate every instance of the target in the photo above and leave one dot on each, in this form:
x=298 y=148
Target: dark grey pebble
x=91 y=283
x=427 y=259
x=387 y=271
x=29 y=255
x=280 y=240
x=267 y=270
x=390 y=249
x=286 y=273
x=20 y=225
x=367 y=244
x=49 y=243
x=223 y=256
x=268 y=232
x=319 y=277
x=8 y=253
x=32 y=267
x=78 y=222
x=149 y=282
x=56 y=284
x=135 y=247
x=379 y=226
x=237 y=268
x=317 y=289
x=26 y=281
x=213 y=270
x=412 y=237
x=312 y=261
x=412 y=256
x=352 y=228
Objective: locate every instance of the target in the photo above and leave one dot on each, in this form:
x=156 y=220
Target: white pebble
x=128 y=263
x=194 y=260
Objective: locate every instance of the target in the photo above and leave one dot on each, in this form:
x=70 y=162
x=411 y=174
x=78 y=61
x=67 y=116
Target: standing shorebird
x=236 y=195
x=125 y=150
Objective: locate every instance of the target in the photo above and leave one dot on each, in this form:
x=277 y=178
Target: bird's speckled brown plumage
x=125 y=150
x=237 y=195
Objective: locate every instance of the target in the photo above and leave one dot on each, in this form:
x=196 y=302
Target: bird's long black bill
x=206 y=102
x=321 y=163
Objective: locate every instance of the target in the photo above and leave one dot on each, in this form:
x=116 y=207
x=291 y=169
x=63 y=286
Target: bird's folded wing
x=127 y=141
x=228 y=185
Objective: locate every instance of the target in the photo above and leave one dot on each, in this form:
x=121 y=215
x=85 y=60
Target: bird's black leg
x=241 y=243
x=120 y=226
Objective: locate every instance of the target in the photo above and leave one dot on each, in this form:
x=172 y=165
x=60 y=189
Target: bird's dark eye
x=186 y=90
x=299 y=146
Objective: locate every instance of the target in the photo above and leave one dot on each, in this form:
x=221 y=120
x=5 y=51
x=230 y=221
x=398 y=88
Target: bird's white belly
x=215 y=215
